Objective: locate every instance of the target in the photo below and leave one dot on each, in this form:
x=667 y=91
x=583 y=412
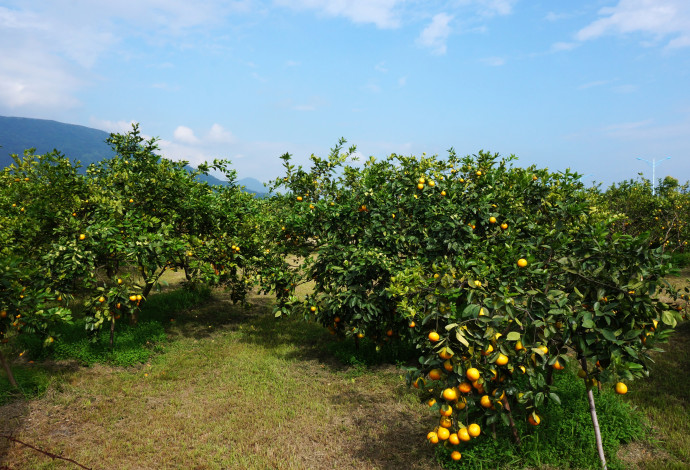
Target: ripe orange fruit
x=82 y=237
x=464 y=435
x=389 y=333
x=435 y=374
x=432 y=183
x=101 y=299
x=445 y=353
x=443 y=193
x=360 y=335
x=504 y=226
x=479 y=173
x=446 y=410
x=534 y=419
x=446 y=422
x=454 y=439
x=133 y=298
x=474 y=430
x=139 y=297
x=492 y=220
x=502 y=359
x=131 y=200
x=450 y=395
x=522 y=262
x=299 y=198
x=485 y=401
x=313 y=309
x=443 y=433
x=621 y=388
x=419 y=382
x=455 y=455
x=488 y=350
x=465 y=387
x=432 y=437
x=420 y=186
x=558 y=366
x=448 y=365
x=479 y=387
x=433 y=337
x=472 y=374
x=412 y=324
x=421 y=180
x=431 y=402
x=3 y=313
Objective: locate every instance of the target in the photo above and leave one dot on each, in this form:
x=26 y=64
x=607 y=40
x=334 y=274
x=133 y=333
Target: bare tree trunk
x=595 y=421
x=6 y=366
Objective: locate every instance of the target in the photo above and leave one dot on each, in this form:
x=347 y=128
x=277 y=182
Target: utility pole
x=653 y=164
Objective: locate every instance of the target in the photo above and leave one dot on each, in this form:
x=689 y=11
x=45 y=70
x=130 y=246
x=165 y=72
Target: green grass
x=133 y=344
x=256 y=392
x=564 y=439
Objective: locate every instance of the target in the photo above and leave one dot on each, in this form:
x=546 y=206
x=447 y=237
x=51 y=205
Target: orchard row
x=499 y=275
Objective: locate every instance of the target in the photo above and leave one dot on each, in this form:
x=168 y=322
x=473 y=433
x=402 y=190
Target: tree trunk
x=595 y=421
x=516 y=435
x=6 y=366
x=112 y=331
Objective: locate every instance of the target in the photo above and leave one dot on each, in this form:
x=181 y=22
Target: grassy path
x=238 y=389
x=234 y=390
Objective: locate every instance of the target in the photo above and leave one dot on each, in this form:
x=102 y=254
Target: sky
x=590 y=85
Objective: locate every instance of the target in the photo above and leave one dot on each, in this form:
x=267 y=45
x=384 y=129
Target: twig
x=44 y=452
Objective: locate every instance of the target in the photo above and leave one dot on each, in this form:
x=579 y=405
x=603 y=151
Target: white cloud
x=382 y=13
x=493 y=61
x=659 y=18
x=402 y=81
x=551 y=16
x=381 y=67
x=49 y=49
x=111 y=126
x=185 y=135
x=34 y=80
x=563 y=46
x=436 y=34
x=218 y=134
x=496 y=7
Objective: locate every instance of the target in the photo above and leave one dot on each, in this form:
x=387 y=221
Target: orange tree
x=152 y=214
x=663 y=215
x=29 y=300
x=108 y=236
x=499 y=275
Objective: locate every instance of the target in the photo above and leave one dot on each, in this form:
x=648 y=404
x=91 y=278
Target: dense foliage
x=499 y=276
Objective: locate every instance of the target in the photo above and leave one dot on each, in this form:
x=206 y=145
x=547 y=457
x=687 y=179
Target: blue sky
x=589 y=85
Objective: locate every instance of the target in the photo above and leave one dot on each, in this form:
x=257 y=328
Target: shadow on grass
x=390 y=437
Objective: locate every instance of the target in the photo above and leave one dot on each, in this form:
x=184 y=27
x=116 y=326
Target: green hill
x=75 y=142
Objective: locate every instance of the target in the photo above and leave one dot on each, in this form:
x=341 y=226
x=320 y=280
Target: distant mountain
x=76 y=142
x=253 y=186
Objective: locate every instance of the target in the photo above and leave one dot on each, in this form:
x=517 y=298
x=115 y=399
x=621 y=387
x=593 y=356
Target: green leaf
x=513 y=336
x=668 y=319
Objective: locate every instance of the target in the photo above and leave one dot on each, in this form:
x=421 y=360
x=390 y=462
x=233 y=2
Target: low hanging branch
x=44 y=452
